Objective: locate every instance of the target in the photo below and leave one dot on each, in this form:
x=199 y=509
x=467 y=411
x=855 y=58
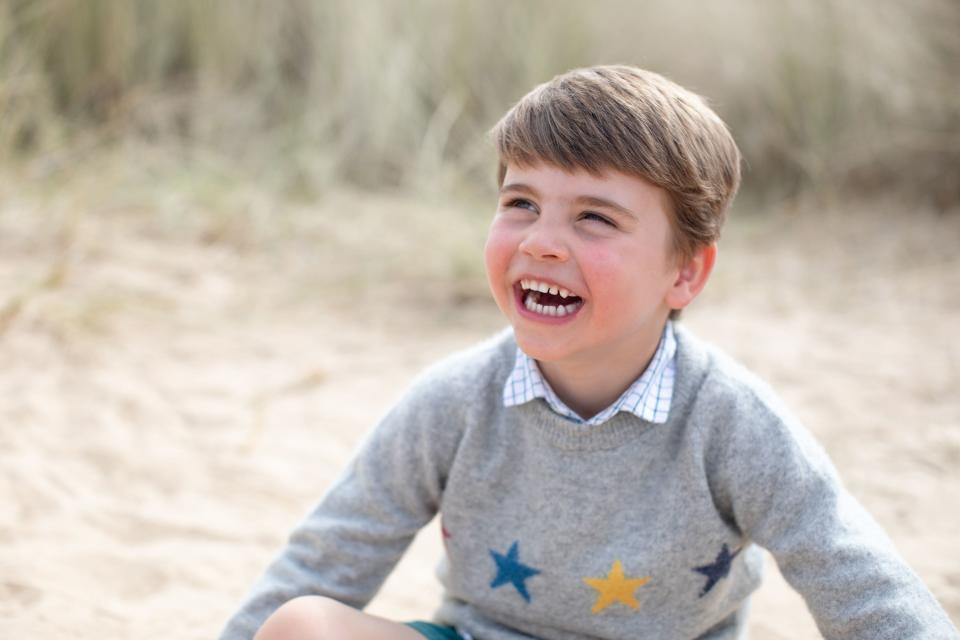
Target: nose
x=544 y=242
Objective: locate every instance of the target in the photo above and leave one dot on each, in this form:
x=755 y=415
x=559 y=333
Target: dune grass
x=822 y=95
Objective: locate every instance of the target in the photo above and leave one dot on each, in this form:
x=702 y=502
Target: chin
x=541 y=350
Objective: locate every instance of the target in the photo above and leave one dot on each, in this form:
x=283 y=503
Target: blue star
x=718 y=570
x=510 y=569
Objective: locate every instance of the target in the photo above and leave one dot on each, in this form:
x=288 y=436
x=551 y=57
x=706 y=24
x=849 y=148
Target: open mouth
x=548 y=299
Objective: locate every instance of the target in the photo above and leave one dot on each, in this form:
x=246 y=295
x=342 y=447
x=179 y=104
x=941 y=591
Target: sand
x=172 y=402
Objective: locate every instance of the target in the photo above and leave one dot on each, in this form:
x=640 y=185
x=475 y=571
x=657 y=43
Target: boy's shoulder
x=718 y=384
x=729 y=404
x=459 y=389
x=491 y=357
x=475 y=374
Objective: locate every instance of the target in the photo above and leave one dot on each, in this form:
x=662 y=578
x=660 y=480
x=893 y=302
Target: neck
x=590 y=386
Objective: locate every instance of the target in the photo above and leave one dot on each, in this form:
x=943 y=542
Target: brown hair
x=639 y=123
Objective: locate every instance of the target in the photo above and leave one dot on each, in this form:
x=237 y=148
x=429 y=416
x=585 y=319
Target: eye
x=593 y=216
x=521 y=203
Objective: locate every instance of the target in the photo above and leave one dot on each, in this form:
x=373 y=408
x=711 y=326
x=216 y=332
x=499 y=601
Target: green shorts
x=433 y=631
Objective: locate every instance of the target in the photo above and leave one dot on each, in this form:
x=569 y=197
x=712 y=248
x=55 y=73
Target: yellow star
x=615 y=588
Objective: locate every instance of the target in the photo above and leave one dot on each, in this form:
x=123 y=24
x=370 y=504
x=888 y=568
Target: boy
x=599 y=471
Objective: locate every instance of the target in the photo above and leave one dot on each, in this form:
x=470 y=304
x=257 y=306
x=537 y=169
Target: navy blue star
x=511 y=570
x=718 y=570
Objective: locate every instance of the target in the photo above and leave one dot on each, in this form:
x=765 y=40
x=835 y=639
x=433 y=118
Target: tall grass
x=821 y=94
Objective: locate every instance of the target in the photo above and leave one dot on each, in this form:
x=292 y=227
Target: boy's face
x=603 y=246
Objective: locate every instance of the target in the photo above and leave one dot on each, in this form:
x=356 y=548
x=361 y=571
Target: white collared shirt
x=648 y=398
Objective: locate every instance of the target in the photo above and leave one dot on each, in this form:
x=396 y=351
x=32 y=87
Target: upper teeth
x=543 y=287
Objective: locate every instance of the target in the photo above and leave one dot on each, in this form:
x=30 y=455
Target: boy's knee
x=304 y=618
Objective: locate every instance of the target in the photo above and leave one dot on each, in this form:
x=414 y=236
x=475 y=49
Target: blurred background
x=301 y=96
x=230 y=232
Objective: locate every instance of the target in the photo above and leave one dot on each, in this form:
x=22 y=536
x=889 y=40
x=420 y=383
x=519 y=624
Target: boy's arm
x=781 y=490
x=348 y=545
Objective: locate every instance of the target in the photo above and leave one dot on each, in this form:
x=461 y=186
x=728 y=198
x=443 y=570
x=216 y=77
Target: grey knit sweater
x=623 y=530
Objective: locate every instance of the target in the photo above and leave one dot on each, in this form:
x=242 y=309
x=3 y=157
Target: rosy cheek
x=497 y=253
x=498 y=250
x=601 y=267
x=603 y=272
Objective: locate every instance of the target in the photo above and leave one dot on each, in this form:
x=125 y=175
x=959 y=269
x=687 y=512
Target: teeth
x=543 y=287
x=571 y=307
x=561 y=311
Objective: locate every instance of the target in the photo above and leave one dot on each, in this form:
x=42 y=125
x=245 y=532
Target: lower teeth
x=549 y=310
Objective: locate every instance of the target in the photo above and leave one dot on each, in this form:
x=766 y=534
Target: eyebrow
x=518 y=186
x=593 y=201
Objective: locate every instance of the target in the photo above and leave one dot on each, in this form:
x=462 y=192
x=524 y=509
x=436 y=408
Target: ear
x=692 y=277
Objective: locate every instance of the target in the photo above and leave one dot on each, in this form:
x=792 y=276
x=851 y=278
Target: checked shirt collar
x=648 y=398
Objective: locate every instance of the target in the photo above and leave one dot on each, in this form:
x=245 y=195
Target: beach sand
x=173 y=403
